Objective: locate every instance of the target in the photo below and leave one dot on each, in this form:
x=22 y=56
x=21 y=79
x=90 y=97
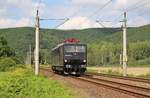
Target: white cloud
x=114 y=11
x=2 y=12
x=138 y=21
x=26 y=7
x=23 y=22
x=80 y=23
x=89 y=2
x=18 y=13
x=26 y=12
x=8 y=23
x=121 y=2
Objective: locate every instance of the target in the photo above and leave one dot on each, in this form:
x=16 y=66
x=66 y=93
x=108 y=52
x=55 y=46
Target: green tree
x=5 y=50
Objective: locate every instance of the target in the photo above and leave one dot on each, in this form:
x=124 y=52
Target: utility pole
x=125 y=45
x=30 y=55
x=36 y=57
x=120 y=59
x=28 y=58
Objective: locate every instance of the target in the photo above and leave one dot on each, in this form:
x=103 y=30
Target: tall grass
x=21 y=83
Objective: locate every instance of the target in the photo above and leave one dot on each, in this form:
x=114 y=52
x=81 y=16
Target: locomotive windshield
x=74 y=48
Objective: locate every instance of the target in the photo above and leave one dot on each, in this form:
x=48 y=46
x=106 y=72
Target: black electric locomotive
x=69 y=57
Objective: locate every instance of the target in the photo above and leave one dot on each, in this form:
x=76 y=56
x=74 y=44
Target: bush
x=22 y=83
x=18 y=59
x=7 y=64
x=113 y=72
x=143 y=62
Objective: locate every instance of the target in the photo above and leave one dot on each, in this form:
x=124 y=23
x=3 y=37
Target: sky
x=81 y=13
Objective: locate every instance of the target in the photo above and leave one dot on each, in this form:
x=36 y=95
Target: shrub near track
x=7 y=63
x=22 y=83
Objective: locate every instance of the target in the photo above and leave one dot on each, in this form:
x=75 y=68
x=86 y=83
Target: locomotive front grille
x=74 y=62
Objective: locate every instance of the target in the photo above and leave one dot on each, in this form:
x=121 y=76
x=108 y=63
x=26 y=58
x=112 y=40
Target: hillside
x=134 y=34
x=21 y=38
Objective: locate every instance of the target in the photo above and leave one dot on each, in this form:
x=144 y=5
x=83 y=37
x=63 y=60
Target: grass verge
x=22 y=83
x=133 y=72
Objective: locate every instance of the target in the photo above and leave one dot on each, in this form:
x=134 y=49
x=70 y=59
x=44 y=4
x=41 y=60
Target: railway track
x=121 y=77
x=133 y=90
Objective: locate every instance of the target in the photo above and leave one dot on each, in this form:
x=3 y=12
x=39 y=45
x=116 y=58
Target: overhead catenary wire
x=135 y=6
x=69 y=18
x=53 y=19
x=91 y=15
x=117 y=19
x=143 y=13
x=76 y=12
x=56 y=19
x=138 y=5
x=100 y=23
x=62 y=23
x=114 y=20
x=97 y=11
x=146 y=12
x=100 y=9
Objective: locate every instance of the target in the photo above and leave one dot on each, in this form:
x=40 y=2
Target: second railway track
x=134 y=90
x=139 y=92
x=121 y=77
x=129 y=89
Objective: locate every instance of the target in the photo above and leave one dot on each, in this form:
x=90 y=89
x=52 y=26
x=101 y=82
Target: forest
x=104 y=44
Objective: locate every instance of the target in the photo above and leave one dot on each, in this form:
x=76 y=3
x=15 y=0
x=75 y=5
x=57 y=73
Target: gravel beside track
x=121 y=77
x=85 y=89
x=138 y=91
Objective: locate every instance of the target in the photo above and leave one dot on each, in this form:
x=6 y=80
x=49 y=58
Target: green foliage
x=104 y=44
x=17 y=59
x=111 y=72
x=3 y=41
x=20 y=38
x=7 y=64
x=5 y=50
x=145 y=76
x=22 y=83
x=140 y=50
x=103 y=53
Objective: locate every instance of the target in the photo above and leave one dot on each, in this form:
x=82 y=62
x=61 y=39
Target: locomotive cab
x=70 y=58
x=75 y=58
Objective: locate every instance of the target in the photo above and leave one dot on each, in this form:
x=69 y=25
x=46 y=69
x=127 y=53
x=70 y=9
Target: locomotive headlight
x=65 y=60
x=84 y=61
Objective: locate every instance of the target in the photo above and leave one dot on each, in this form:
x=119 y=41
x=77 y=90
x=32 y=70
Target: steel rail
x=120 y=77
x=121 y=87
x=133 y=90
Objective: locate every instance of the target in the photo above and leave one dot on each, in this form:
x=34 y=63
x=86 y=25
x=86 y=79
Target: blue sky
x=18 y=13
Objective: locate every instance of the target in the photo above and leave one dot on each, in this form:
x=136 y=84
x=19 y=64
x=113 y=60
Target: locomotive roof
x=62 y=44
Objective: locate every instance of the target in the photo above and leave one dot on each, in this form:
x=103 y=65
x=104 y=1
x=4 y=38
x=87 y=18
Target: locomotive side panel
x=57 y=55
